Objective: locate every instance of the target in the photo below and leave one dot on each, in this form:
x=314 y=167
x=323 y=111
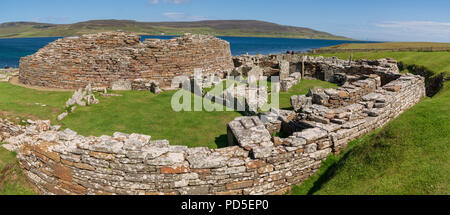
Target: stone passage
x=117 y=59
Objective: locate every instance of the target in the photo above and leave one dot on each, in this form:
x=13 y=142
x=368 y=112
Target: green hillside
x=248 y=28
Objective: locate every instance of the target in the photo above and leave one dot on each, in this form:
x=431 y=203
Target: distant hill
x=250 y=28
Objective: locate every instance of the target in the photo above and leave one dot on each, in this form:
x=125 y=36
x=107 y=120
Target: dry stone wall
x=256 y=162
x=116 y=58
x=7 y=74
x=63 y=162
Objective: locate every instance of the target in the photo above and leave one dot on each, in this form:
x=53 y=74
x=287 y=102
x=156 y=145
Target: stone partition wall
x=63 y=162
x=105 y=58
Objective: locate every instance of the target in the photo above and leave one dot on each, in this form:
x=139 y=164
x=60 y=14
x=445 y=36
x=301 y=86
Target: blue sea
x=11 y=50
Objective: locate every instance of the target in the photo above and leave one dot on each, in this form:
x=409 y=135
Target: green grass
x=134 y=112
x=12 y=180
x=21 y=102
x=146 y=113
x=408 y=156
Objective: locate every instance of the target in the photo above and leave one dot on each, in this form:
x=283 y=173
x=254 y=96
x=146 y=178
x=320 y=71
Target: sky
x=380 y=20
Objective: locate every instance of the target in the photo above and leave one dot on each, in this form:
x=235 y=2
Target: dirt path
x=15 y=81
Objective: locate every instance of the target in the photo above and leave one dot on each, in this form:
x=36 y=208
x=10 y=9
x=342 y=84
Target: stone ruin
x=7 y=74
x=81 y=97
x=257 y=161
x=120 y=61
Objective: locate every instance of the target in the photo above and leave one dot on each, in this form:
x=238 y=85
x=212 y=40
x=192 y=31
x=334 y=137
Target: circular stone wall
x=105 y=58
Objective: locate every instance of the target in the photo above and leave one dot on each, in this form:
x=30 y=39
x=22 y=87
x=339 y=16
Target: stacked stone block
x=63 y=162
x=105 y=58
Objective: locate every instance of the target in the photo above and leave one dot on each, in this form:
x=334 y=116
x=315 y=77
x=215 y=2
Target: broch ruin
x=371 y=93
x=117 y=60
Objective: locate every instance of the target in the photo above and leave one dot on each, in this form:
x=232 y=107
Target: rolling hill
x=250 y=28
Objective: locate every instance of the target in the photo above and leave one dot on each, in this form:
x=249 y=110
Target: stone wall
x=105 y=58
x=63 y=162
x=7 y=74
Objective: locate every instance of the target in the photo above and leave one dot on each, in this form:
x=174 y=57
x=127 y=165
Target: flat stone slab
x=312 y=134
x=247 y=132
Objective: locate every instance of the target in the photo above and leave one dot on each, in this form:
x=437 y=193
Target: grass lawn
x=146 y=113
x=12 y=180
x=21 y=102
x=134 y=112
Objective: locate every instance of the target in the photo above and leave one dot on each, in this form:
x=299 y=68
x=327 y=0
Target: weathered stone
x=103 y=156
x=168 y=159
x=239 y=185
x=174 y=169
x=261 y=152
x=311 y=134
x=121 y=58
x=300 y=101
x=247 y=132
x=205 y=161
x=62 y=116
x=63 y=172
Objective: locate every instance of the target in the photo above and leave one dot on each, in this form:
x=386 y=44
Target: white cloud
x=416 y=30
x=174 y=15
x=177 y=1
x=153 y=2
x=418 y=26
x=182 y=16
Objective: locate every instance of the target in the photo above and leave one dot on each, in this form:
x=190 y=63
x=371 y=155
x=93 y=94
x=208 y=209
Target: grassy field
x=134 y=112
x=410 y=155
x=12 y=180
x=22 y=103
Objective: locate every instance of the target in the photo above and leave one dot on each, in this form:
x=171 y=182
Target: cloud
x=424 y=26
x=52 y=19
x=182 y=16
x=153 y=2
x=416 y=30
x=177 y=1
x=174 y=15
